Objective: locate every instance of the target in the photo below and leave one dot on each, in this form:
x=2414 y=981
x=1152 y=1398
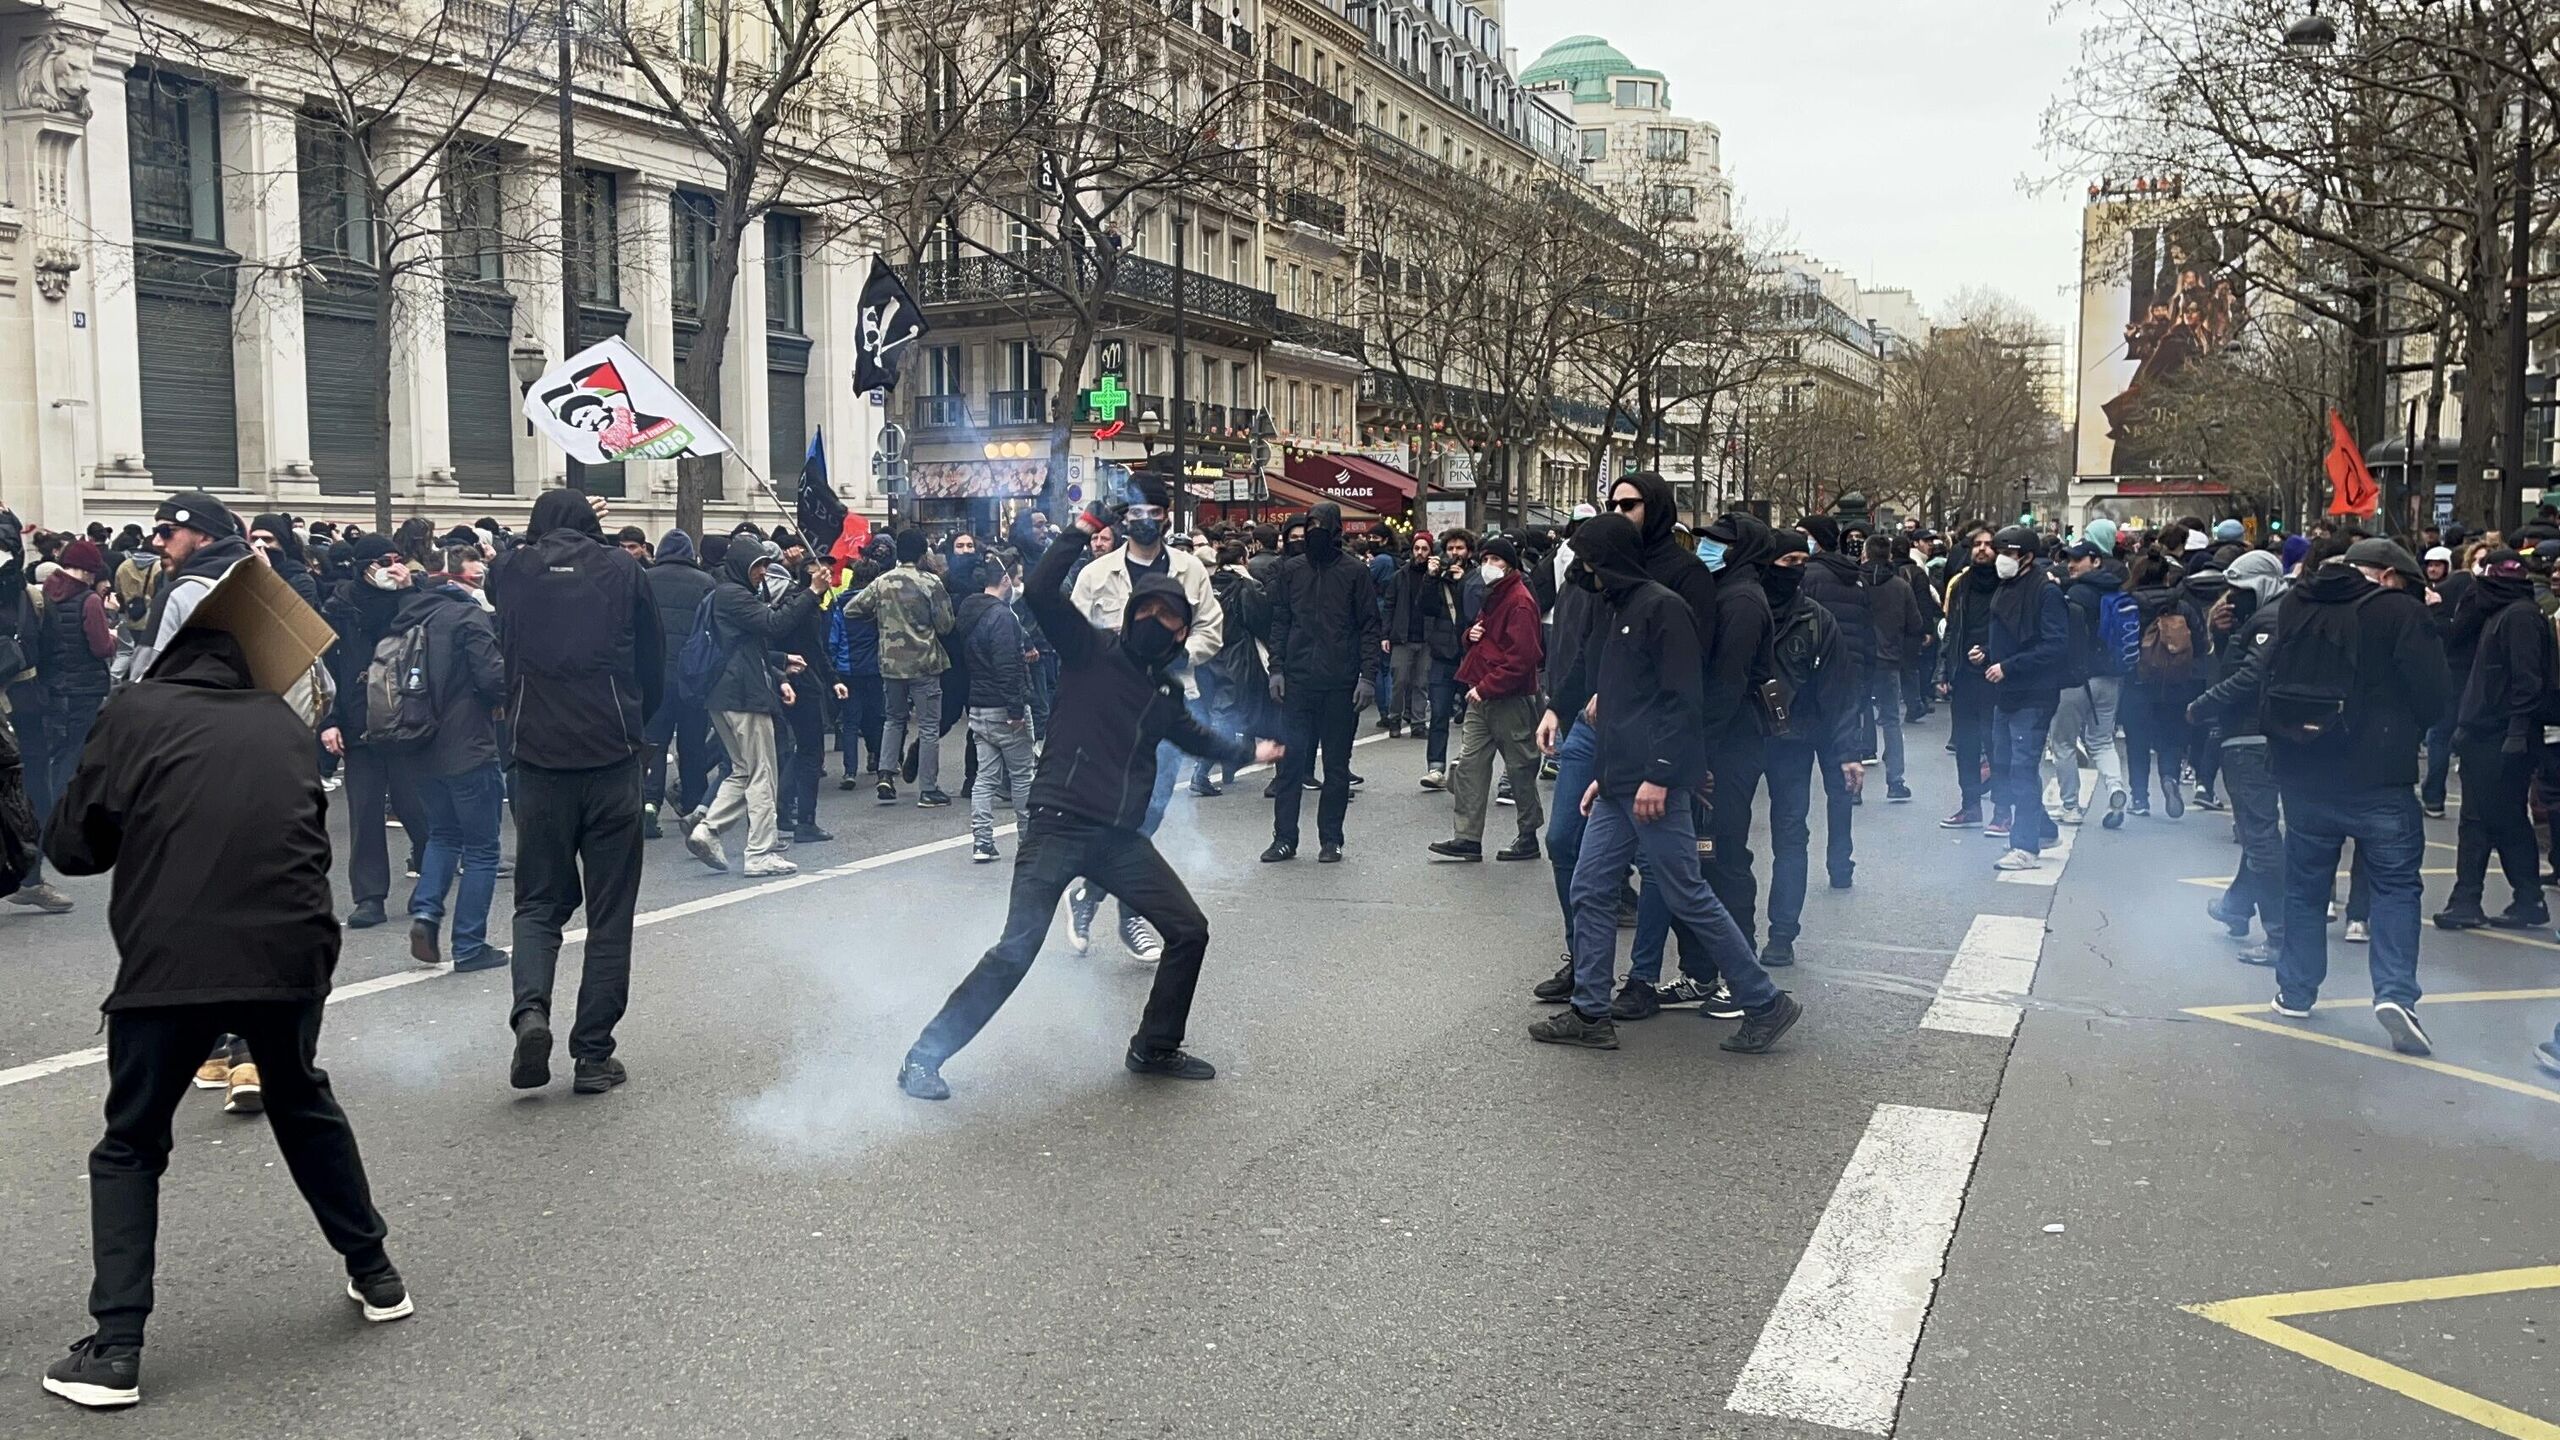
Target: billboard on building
x=2162 y=288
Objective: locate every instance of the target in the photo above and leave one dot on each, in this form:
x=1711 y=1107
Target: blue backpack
x=698 y=665
x=2119 y=634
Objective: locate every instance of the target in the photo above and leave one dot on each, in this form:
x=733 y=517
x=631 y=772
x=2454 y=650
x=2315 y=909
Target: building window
x=175 y=136
x=942 y=375
x=1295 y=391
x=1297 y=276
x=691 y=220
x=1595 y=144
x=783 y=302
x=944 y=89
x=942 y=242
x=1675 y=202
x=1024 y=366
x=1239 y=256
x=595 y=266
x=336 y=215
x=1147 y=356
x=1298 y=59
x=1240 y=391
x=1271 y=274
x=1636 y=94
x=1666 y=145
x=474 y=241
x=695 y=20
x=1338 y=433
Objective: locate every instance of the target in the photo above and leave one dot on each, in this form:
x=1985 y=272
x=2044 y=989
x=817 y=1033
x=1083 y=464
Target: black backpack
x=399 y=694
x=2310 y=688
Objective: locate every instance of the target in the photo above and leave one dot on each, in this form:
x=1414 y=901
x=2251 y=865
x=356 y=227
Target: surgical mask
x=1711 y=553
x=2008 y=566
x=1144 y=532
x=1149 y=643
x=1489 y=572
x=381 y=578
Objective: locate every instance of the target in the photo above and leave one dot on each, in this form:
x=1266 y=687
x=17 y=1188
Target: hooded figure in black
x=199 y=792
x=362 y=610
x=2497 y=737
x=1325 y=631
x=1740 y=663
x=678 y=584
x=1117 y=700
x=1821 y=743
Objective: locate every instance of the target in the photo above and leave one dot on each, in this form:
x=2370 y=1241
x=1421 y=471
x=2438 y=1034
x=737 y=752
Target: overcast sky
x=1887 y=137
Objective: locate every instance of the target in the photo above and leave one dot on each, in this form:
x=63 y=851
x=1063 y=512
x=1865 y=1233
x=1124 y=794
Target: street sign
x=879 y=399
x=893 y=441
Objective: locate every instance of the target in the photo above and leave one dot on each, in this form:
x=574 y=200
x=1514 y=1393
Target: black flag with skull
x=891 y=323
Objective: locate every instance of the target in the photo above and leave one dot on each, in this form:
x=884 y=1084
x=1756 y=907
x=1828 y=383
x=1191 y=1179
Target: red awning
x=1354 y=480
x=1288 y=498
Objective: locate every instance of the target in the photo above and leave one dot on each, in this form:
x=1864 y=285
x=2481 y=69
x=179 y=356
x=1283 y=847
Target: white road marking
x=2056 y=856
x=1993 y=968
x=1837 y=1349
x=97 y=1054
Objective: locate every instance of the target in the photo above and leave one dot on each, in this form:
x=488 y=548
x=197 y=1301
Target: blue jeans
x=1792 y=767
x=1884 y=703
x=1611 y=841
x=1577 y=755
x=2017 y=771
x=1444 y=703
x=2390 y=836
x=462 y=834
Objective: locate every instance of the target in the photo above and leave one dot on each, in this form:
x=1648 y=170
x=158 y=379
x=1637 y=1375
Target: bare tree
x=1961 y=419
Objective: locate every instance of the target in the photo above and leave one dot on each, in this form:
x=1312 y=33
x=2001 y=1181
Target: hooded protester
x=746 y=703
x=1838 y=582
x=2230 y=706
x=1645 y=674
x=2458 y=621
x=814 y=689
x=1740 y=664
x=201 y=796
x=273 y=536
x=1117 y=702
x=2497 y=735
x=1901 y=635
x=1325 y=628
x=678 y=586
x=362 y=610
x=2084 y=717
x=2168 y=674
x=2026 y=658
x=585 y=659
x=454 y=774
x=1968 y=608
x=999 y=695
x=1822 y=737
x=1918 y=567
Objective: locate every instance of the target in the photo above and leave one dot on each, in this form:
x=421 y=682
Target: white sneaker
x=704 y=846
x=767 y=867
x=2356 y=933
x=2073 y=816
x=2017 y=860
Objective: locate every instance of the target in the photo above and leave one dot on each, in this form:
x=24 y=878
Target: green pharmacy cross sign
x=1104 y=402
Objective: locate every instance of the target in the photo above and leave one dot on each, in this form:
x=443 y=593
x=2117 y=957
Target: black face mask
x=1583 y=576
x=1150 y=643
x=1781 y=582
x=1324 y=544
x=1144 y=532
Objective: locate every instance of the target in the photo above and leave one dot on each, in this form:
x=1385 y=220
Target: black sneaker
x=2514 y=919
x=382 y=1295
x=1557 y=988
x=2138 y=807
x=1328 y=854
x=2172 y=803
x=886 y=791
x=2205 y=801
x=423 y=946
x=1277 y=851
x=100 y=1377
x=2237 y=926
x=1206 y=789
x=1140 y=939
x=1571 y=1027
x=982 y=851
x=849 y=783
x=1761 y=1031
x=907 y=767
x=1897 y=793
x=487 y=957
x=1083 y=903
x=1457 y=849
x=1719 y=1004
x=1272 y=790
x=1524 y=848
x=2401 y=1024
x=1502 y=793
x=366 y=916
x=931 y=800
x=594 y=1077
x=811 y=834
x=1681 y=990
x=649 y=824
x=2460 y=917
x=1636 y=1001
x=1170 y=1064
x=1779 y=953
x=923 y=1082
x=531 y=1069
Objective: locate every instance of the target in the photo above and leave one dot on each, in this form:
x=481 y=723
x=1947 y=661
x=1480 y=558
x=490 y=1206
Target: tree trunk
x=701 y=378
x=384 y=315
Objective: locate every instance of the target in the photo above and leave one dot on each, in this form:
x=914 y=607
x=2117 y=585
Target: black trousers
x=2155 y=728
x=1728 y=871
x=374 y=782
x=806 y=723
x=577 y=842
x=152 y=1056
x=1318 y=720
x=1056 y=848
x=697 y=754
x=2494 y=818
x=1970 y=704
x=2259 y=886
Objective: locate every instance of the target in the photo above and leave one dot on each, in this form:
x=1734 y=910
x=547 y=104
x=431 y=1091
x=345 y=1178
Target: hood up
x=563 y=510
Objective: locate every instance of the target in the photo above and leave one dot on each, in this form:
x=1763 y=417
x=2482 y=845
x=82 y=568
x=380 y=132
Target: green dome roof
x=1587 y=63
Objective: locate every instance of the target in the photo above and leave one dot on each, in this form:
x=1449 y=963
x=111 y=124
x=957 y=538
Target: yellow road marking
x=2258 y=1017
x=2262 y=1317
x=2223 y=882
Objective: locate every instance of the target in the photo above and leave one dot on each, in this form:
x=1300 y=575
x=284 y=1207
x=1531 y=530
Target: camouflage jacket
x=914 y=612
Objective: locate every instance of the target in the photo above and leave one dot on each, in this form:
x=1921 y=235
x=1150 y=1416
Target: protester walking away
x=362 y=610
x=1648 y=694
x=999 y=700
x=1968 y=695
x=2354 y=677
x=2106 y=632
x=2231 y=707
x=1325 y=629
x=1235 y=687
x=197 y=790
x=1837 y=580
x=1740 y=666
x=2203 y=585
x=742 y=645
x=2458 y=622
x=435 y=686
x=2168 y=674
x=1818 y=730
x=1116 y=703
x=1101 y=595
x=1500 y=672
x=913 y=613
x=2026 y=660
x=2497 y=739
x=678 y=586
x=853 y=644
x=810 y=685
x=579 y=635
x=1900 y=633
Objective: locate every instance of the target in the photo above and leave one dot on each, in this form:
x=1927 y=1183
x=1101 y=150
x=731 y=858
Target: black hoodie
x=2510 y=670
x=991 y=655
x=751 y=635
x=585 y=657
x=1324 y=612
x=1666 y=563
x=1644 y=667
x=2399 y=688
x=1739 y=658
x=1840 y=584
x=462 y=665
x=201 y=792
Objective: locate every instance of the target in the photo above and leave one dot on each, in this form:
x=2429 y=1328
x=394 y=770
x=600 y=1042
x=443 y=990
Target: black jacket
x=1839 y=585
x=750 y=634
x=1099 y=758
x=1738 y=656
x=1968 y=623
x=1643 y=660
x=1324 y=620
x=2400 y=684
x=69 y=669
x=202 y=792
x=1670 y=566
x=2152 y=602
x=361 y=615
x=2087 y=595
x=2230 y=704
x=1822 y=709
x=992 y=641
x=676 y=588
x=586 y=661
x=469 y=681
x=2510 y=671
x=1901 y=630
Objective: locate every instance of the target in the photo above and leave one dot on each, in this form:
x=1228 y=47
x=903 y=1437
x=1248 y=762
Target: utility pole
x=2519 y=294
x=1181 y=357
x=569 y=198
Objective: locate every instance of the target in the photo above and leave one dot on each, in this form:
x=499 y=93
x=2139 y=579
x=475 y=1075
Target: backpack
x=2119 y=634
x=699 y=664
x=2077 y=661
x=2168 y=652
x=399 y=695
x=2310 y=682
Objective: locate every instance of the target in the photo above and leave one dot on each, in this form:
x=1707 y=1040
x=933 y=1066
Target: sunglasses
x=163 y=532
x=1623 y=506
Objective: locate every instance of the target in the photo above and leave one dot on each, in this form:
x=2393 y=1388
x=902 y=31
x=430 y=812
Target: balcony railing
x=1317 y=334
x=1178 y=11
x=1018 y=407
x=1239 y=39
x=979 y=278
x=1213 y=420
x=1212 y=24
x=1309 y=208
x=942 y=412
x=1307 y=97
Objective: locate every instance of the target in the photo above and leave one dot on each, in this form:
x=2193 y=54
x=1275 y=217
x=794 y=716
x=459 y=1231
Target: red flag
x=2352 y=490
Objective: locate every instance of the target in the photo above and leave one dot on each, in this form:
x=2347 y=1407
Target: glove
x=1102 y=514
x=1361 y=695
x=1279 y=687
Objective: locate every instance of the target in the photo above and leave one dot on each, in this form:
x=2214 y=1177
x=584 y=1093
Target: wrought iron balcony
x=1308 y=98
x=942 y=412
x=1035 y=274
x=1239 y=38
x=1017 y=407
x=1317 y=334
x=1309 y=208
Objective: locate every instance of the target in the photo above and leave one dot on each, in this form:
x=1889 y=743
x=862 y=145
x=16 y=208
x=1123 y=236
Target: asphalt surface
x=1392 y=1214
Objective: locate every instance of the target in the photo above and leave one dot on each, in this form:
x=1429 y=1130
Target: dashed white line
x=1837 y=1349
x=1994 y=968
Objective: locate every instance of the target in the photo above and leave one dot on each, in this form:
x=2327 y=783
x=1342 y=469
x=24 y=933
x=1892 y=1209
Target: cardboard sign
x=280 y=634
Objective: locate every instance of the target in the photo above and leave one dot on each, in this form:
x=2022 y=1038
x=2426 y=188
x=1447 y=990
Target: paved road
x=1391 y=1215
